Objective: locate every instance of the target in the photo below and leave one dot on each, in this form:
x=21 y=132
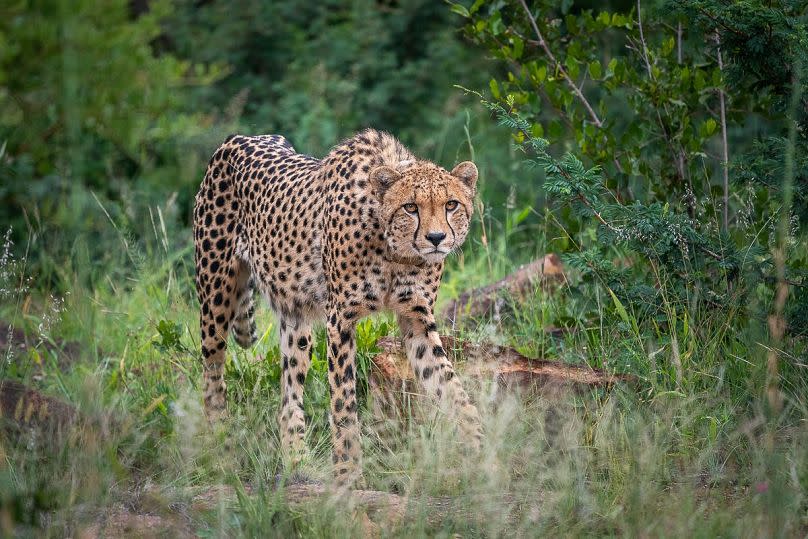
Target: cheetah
x=365 y=229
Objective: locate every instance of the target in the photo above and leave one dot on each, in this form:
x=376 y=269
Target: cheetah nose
x=435 y=237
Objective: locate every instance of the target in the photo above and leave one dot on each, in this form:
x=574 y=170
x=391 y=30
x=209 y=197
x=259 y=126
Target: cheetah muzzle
x=362 y=230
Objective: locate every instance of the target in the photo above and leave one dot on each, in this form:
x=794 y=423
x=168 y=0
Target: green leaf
x=460 y=10
x=685 y=326
x=621 y=310
x=619 y=20
x=698 y=81
x=667 y=46
x=522 y=215
x=541 y=74
x=623 y=314
x=708 y=127
x=494 y=88
x=595 y=70
x=170 y=334
x=565 y=6
x=518 y=47
x=495 y=22
x=572 y=24
x=573 y=69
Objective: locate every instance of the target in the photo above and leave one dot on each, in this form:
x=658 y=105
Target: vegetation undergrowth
x=662 y=458
x=660 y=150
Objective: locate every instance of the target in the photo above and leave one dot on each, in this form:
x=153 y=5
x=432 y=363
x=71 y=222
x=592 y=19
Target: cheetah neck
x=403 y=260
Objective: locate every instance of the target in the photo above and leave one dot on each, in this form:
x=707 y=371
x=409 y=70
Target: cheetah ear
x=382 y=178
x=466 y=172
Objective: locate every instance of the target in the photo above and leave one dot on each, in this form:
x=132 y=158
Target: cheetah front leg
x=347 y=452
x=433 y=369
x=295 y=341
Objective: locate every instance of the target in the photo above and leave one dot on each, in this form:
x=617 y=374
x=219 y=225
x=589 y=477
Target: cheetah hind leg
x=244 y=330
x=217 y=313
x=296 y=349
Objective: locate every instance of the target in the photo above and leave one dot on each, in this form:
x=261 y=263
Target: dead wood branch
x=490 y=300
x=394 y=389
x=558 y=66
x=24 y=406
x=380 y=507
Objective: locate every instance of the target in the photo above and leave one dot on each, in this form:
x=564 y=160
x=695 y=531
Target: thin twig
x=642 y=41
x=777 y=321
x=717 y=20
x=725 y=164
x=560 y=68
x=709 y=253
x=517 y=68
x=557 y=66
x=597 y=215
x=676 y=153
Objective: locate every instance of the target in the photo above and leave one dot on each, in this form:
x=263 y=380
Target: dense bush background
x=661 y=147
x=126 y=101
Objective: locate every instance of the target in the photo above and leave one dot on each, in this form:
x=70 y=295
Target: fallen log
x=393 y=387
x=24 y=406
x=503 y=364
x=375 y=511
x=120 y=521
x=157 y=512
x=372 y=508
x=492 y=300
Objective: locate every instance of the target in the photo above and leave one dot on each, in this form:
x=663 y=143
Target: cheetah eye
x=452 y=205
x=411 y=208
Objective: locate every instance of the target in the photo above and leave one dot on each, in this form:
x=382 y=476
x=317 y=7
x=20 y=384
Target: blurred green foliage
x=84 y=100
x=319 y=72
x=644 y=103
x=109 y=110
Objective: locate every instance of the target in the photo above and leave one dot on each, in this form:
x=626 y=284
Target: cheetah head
x=424 y=209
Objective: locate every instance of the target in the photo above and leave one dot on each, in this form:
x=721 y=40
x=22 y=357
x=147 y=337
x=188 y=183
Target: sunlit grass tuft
x=686 y=451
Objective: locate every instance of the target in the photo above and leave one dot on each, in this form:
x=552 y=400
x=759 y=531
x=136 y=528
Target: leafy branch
x=659 y=234
x=559 y=67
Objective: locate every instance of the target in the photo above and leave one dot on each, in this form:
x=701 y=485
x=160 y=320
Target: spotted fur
x=364 y=229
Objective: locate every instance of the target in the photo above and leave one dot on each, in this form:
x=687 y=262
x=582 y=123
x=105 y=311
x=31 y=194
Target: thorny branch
x=723 y=25
x=642 y=41
x=557 y=65
x=560 y=68
x=725 y=163
x=678 y=154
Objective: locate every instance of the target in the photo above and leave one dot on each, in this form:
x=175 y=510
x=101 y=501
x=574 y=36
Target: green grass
x=686 y=451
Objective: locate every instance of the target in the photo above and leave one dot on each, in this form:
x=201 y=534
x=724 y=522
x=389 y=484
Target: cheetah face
x=424 y=209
